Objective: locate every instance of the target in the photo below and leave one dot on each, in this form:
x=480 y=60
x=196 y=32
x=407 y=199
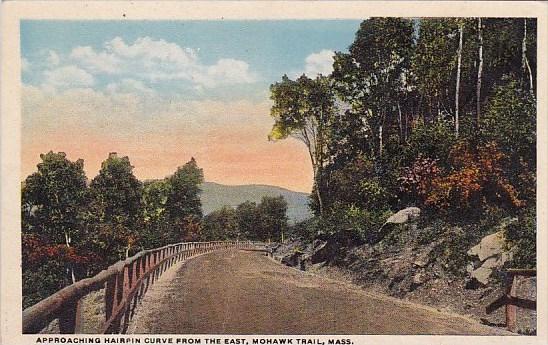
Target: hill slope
x=215 y=196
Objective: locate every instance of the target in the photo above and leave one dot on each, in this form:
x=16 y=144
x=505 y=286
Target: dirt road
x=237 y=292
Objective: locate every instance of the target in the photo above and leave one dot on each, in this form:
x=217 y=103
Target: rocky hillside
x=420 y=260
x=214 y=196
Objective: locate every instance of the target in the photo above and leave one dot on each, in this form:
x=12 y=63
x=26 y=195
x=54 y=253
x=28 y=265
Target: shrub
x=477 y=177
x=522 y=236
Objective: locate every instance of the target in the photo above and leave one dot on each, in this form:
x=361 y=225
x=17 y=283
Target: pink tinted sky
x=229 y=141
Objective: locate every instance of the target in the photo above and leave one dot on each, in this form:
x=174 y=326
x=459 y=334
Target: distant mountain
x=214 y=196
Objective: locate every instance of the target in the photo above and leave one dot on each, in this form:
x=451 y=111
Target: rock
x=481 y=275
x=324 y=251
x=491 y=256
x=292 y=259
x=404 y=216
x=419 y=278
x=424 y=257
x=490 y=245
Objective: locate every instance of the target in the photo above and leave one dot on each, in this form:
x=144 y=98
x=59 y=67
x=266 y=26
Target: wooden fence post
x=511 y=308
x=70 y=318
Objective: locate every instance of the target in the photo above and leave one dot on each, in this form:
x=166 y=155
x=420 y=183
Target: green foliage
x=352 y=222
x=248 y=222
x=72 y=231
x=510 y=121
x=115 y=217
x=221 y=225
x=156 y=224
x=183 y=197
x=522 y=236
x=53 y=197
x=272 y=213
x=432 y=140
x=266 y=221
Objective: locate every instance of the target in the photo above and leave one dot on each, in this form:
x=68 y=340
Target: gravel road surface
x=240 y=292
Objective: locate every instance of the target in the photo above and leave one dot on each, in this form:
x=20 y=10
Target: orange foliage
x=36 y=252
x=475 y=177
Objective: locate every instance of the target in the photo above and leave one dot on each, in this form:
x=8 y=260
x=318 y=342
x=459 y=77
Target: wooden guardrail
x=125 y=284
x=509 y=298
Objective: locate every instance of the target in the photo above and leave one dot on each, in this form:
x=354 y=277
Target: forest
x=434 y=113
x=73 y=228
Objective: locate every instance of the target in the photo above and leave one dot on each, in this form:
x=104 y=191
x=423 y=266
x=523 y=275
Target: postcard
x=273 y=172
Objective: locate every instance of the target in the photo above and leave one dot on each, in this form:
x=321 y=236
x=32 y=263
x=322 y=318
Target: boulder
x=490 y=245
x=324 y=251
x=404 y=216
x=292 y=259
x=489 y=256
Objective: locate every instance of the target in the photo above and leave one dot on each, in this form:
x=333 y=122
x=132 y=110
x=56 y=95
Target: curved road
x=239 y=292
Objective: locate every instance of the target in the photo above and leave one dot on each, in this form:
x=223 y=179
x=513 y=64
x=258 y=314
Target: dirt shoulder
x=237 y=292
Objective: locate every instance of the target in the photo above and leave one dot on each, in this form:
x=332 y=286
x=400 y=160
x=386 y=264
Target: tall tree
x=457 y=87
x=525 y=60
x=116 y=202
x=183 y=203
x=374 y=79
x=53 y=199
x=304 y=109
x=480 y=70
x=117 y=193
x=248 y=221
x=221 y=224
x=273 y=217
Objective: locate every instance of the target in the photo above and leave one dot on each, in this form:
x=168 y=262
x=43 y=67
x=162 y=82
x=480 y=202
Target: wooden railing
x=124 y=284
x=510 y=300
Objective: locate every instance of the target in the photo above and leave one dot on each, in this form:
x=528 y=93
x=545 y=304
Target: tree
x=373 y=79
x=221 y=225
x=155 y=218
x=273 y=219
x=116 y=192
x=116 y=203
x=183 y=198
x=510 y=122
x=480 y=70
x=304 y=109
x=457 y=87
x=248 y=222
x=52 y=205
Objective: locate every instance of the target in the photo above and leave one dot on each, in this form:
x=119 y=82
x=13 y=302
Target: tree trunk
x=400 y=122
x=71 y=266
x=380 y=141
x=457 y=88
x=524 y=60
x=480 y=70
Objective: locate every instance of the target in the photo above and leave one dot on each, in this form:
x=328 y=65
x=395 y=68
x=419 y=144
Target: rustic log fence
x=125 y=284
x=510 y=300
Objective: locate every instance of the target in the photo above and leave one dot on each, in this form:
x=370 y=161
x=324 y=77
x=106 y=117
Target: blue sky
x=154 y=90
x=270 y=48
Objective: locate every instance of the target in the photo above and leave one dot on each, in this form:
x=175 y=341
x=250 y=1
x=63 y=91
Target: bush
x=522 y=236
x=477 y=177
x=353 y=223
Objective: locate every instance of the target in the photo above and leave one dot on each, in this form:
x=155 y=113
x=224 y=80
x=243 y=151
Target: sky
x=162 y=92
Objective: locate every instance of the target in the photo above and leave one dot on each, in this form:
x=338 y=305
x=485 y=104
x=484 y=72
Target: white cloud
x=53 y=59
x=66 y=77
x=128 y=85
x=95 y=62
x=225 y=71
x=158 y=60
x=319 y=63
x=120 y=113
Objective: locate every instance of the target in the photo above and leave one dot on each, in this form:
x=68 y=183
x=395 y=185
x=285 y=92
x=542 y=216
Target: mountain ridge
x=216 y=195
